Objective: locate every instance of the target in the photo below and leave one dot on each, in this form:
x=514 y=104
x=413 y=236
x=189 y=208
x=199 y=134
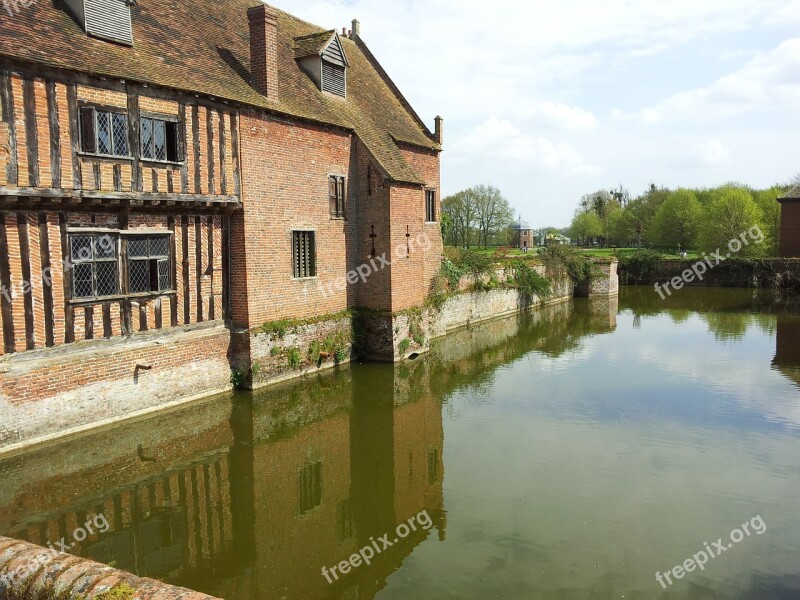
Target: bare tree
x=493 y=212
x=461 y=210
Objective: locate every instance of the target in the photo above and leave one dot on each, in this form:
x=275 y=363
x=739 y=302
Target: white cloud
x=768 y=81
x=500 y=140
x=559 y=116
x=710 y=153
x=551 y=71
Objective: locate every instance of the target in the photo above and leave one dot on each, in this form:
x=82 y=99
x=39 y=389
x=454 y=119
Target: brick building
x=523 y=236
x=790 y=224
x=164 y=190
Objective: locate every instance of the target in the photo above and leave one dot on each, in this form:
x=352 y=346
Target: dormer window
x=323 y=57
x=106 y=19
x=334 y=79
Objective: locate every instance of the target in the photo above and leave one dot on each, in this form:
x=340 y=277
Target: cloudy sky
x=549 y=100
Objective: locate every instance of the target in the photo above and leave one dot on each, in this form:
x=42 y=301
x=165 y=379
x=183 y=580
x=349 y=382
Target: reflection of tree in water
x=729 y=313
x=467 y=359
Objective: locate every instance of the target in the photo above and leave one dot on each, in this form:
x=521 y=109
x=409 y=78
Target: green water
x=568 y=454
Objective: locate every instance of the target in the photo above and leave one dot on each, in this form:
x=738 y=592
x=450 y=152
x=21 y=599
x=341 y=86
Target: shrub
x=529 y=282
x=404 y=345
x=561 y=258
x=237 y=378
x=640 y=265
x=451 y=273
x=293 y=357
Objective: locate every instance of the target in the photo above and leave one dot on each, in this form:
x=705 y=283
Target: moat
x=568 y=453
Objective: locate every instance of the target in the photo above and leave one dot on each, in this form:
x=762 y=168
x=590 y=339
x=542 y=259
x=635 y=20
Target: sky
x=551 y=100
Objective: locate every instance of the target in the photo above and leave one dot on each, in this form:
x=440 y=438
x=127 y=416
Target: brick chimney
x=264 y=50
x=438 y=134
x=356 y=28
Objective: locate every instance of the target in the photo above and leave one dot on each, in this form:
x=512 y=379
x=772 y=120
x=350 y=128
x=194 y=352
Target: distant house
x=522 y=234
x=553 y=238
x=790 y=223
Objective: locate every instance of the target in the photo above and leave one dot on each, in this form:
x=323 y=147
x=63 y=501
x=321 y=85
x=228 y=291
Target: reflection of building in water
x=166 y=508
x=787 y=347
x=330 y=480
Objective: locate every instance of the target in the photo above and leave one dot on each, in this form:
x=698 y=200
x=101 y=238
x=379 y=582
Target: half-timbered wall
x=40 y=144
x=37 y=304
x=52 y=189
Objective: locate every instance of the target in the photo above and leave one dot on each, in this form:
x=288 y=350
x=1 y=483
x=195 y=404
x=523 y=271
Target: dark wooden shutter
x=332 y=195
x=340 y=197
x=88 y=136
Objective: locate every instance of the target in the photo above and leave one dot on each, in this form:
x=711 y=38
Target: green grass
x=598 y=252
x=607 y=252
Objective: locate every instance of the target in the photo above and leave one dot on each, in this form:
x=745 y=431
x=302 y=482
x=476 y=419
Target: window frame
x=337 y=196
x=151 y=258
x=93 y=149
x=121 y=260
x=178 y=132
x=430 y=206
x=93 y=261
x=309 y=269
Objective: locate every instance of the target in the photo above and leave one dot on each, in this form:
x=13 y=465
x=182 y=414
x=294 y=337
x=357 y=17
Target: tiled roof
x=309 y=45
x=792 y=194
x=203 y=47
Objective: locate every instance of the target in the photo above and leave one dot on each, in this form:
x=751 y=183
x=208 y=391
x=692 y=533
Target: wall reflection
x=248 y=497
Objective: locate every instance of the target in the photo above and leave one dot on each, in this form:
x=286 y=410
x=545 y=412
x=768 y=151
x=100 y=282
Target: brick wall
x=99 y=379
x=288 y=190
x=790 y=229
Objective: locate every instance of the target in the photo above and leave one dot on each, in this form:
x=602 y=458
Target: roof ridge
x=311 y=35
x=392 y=86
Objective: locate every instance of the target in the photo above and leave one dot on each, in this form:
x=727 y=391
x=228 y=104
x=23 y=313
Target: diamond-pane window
x=103 y=132
x=94 y=265
x=119 y=130
x=147 y=138
x=148 y=264
x=160 y=140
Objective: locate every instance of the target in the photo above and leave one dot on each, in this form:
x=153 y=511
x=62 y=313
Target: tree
x=767 y=201
x=462 y=215
x=676 y=221
x=586 y=226
x=731 y=213
x=493 y=212
x=644 y=208
x=622 y=195
x=621 y=227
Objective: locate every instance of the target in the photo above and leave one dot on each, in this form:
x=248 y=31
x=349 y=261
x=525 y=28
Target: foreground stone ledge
x=30 y=572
